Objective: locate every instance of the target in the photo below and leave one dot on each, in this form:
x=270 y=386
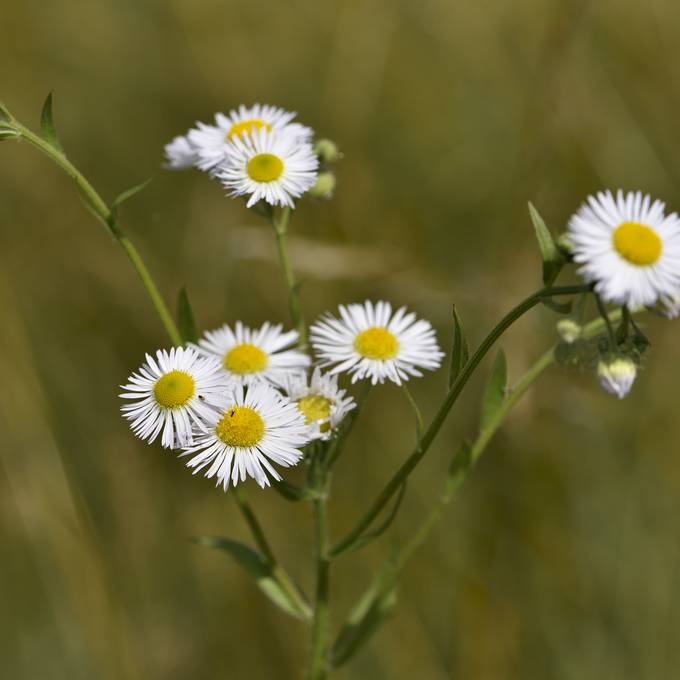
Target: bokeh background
x=559 y=560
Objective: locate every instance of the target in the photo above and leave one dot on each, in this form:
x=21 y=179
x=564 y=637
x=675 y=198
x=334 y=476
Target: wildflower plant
x=239 y=403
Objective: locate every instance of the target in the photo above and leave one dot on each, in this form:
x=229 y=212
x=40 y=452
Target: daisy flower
x=628 y=246
x=276 y=168
x=369 y=341
x=180 y=154
x=213 y=141
x=254 y=355
x=319 y=399
x=250 y=429
x=168 y=394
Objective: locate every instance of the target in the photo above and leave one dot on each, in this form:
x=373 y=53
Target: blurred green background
x=559 y=560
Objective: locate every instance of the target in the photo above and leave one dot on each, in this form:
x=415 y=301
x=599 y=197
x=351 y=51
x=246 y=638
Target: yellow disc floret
x=376 y=343
x=315 y=407
x=240 y=427
x=637 y=243
x=174 y=389
x=245 y=359
x=265 y=167
x=248 y=127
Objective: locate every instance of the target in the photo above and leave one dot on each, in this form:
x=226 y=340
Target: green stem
x=260 y=539
x=105 y=214
x=354 y=536
x=416 y=410
x=318 y=665
x=280 y=225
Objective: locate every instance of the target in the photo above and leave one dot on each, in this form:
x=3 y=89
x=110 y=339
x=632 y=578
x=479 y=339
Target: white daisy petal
x=180 y=154
x=370 y=342
x=167 y=396
x=628 y=248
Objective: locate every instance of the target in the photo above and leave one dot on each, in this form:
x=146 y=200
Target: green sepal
x=553 y=260
x=257 y=567
x=366 y=616
x=185 y=317
x=460 y=351
x=494 y=393
x=47 y=128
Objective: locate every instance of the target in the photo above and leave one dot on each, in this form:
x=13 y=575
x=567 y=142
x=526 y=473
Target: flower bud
x=564 y=243
x=616 y=375
x=324 y=187
x=569 y=330
x=327 y=151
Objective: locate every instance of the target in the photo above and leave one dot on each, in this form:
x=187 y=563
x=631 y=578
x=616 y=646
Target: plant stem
x=428 y=437
x=277 y=571
x=318 y=665
x=105 y=214
x=280 y=224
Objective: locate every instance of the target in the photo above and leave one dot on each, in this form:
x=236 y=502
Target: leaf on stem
x=127 y=195
x=494 y=394
x=553 y=260
x=256 y=567
x=185 y=317
x=47 y=128
x=460 y=351
x=366 y=617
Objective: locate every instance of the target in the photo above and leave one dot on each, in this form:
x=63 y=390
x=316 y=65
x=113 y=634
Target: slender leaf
x=458 y=471
x=550 y=254
x=494 y=394
x=5 y=115
x=372 y=535
x=129 y=193
x=294 y=493
x=460 y=351
x=256 y=567
x=49 y=131
x=185 y=317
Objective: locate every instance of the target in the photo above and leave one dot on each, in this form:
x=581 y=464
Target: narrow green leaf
x=129 y=193
x=185 y=317
x=494 y=394
x=550 y=254
x=256 y=567
x=366 y=616
x=5 y=115
x=458 y=471
x=460 y=351
x=49 y=131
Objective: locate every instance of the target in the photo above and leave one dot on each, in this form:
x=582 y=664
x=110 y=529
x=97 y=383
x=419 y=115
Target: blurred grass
x=560 y=558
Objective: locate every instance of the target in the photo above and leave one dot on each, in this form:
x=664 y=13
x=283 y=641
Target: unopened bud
x=324 y=187
x=327 y=151
x=569 y=330
x=617 y=375
x=564 y=243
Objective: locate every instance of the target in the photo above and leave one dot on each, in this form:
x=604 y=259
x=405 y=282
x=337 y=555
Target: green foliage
x=553 y=259
x=47 y=127
x=494 y=394
x=185 y=317
x=127 y=195
x=256 y=567
x=459 y=349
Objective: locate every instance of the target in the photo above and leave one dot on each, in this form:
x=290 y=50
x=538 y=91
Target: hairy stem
x=107 y=216
x=280 y=224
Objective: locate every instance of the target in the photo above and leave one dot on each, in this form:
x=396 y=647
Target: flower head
x=319 y=399
x=213 y=142
x=269 y=166
x=180 y=154
x=617 y=375
x=248 y=430
x=254 y=355
x=169 y=395
x=628 y=246
x=368 y=341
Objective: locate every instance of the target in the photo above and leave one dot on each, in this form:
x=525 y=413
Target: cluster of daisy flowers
x=257 y=152
x=242 y=400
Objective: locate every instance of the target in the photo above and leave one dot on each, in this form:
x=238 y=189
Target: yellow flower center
x=316 y=407
x=245 y=359
x=265 y=167
x=376 y=343
x=174 y=389
x=240 y=427
x=637 y=243
x=248 y=126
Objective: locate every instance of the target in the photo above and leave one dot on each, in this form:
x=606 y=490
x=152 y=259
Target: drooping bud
x=569 y=330
x=617 y=375
x=324 y=187
x=327 y=151
x=564 y=243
